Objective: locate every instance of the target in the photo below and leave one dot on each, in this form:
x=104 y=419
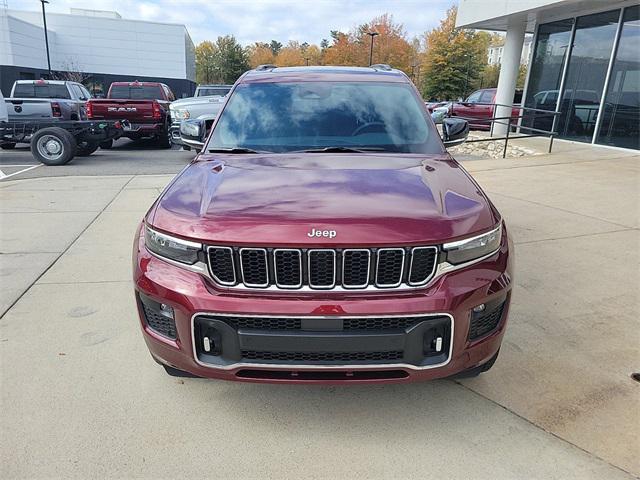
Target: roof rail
x=266 y=66
x=382 y=66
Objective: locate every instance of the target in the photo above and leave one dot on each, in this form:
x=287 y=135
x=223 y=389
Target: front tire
x=53 y=146
x=8 y=146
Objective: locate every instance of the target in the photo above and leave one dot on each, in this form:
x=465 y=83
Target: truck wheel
x=107 y=144
x=8 y=146
x=86 y=148
x=164 y=139
x=53 y=146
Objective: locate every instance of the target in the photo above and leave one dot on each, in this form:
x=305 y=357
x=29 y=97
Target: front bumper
x=174 y=130
x=443 y=309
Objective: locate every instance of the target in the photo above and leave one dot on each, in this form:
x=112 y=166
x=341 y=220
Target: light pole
x=306 y=59
x=46 y=37
x=466 y=81
x=371 y=34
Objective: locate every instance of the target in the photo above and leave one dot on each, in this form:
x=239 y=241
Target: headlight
x=476 y=247
x=172 y=248
x=182 y=114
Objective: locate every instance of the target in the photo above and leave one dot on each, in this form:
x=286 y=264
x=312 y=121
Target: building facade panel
x=97 y=44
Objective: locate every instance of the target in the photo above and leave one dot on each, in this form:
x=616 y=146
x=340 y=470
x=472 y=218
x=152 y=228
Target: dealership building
x=102 y=47
x=585 y=64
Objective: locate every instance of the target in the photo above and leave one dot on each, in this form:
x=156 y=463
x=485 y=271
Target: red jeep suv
x=324 y=234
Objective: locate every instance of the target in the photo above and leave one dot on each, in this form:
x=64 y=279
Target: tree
x=232 y=59
x=390 y=46
x=453 y=60
x=206 y=62
x=275 y=47
x=260 y=54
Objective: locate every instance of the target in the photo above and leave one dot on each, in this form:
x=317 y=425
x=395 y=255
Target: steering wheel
x=367 y=125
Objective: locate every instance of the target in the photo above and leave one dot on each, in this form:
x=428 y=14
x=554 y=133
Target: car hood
x=185 y=102
x=367 y=199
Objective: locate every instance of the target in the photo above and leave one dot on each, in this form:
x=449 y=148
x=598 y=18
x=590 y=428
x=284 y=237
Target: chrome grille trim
x=389 y=285
x=338 y=284
x=266 y=262
x=233 y=265
x=321 y=287
x=433 y=269
x=364 y=285
x=275 y=267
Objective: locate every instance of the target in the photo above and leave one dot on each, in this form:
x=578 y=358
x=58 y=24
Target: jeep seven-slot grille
x=322 y=269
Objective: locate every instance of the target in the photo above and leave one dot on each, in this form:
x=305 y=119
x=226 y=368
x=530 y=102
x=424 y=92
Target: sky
x=263 y=20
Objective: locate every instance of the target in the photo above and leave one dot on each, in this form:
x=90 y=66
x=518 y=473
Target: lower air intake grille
x=485 y=322
x=305 y=357
x=161 y=324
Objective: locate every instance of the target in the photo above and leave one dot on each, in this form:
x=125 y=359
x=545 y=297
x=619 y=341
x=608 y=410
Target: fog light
x=479 y=308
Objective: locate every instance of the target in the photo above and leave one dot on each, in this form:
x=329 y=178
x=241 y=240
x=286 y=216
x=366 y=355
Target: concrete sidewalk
x=82 y=398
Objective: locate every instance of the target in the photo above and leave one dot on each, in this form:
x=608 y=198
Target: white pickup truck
x=207 y=101
x=37 y=99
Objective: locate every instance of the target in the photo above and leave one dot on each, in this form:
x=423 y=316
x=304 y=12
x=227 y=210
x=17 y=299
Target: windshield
x=45 y=90
x=213 y=91
x=285 y=117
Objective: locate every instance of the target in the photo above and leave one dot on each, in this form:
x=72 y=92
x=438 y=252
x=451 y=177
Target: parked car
x=144 y=104
x=4 y=116
x=479 y=108
x=35 y=99
x=324 y=234
x=192 y=108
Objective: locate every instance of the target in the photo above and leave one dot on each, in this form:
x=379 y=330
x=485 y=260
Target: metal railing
x=514 y=121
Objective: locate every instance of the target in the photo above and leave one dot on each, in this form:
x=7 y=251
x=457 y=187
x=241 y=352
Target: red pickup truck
x=144 y=104
x=479 y=108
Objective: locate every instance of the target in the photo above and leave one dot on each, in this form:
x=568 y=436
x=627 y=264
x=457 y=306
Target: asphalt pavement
x=125 y=158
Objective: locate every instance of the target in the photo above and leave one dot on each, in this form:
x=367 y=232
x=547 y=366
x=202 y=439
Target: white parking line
x=3 y=176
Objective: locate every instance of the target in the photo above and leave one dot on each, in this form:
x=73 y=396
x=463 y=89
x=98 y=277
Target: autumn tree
x=206 y=62
x=453 y=60
x=390 y=46
x=260 y=54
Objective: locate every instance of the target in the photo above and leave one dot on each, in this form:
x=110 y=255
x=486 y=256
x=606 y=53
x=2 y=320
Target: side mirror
x=454 y=131
x=193 y=133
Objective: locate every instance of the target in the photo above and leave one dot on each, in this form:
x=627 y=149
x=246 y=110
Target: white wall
x=96 y=44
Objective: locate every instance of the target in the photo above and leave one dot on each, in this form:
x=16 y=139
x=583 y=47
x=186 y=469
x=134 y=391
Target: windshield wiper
x=339 y=149
x=232 y=150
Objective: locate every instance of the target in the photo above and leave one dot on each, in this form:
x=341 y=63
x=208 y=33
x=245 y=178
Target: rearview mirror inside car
x=454 y=131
